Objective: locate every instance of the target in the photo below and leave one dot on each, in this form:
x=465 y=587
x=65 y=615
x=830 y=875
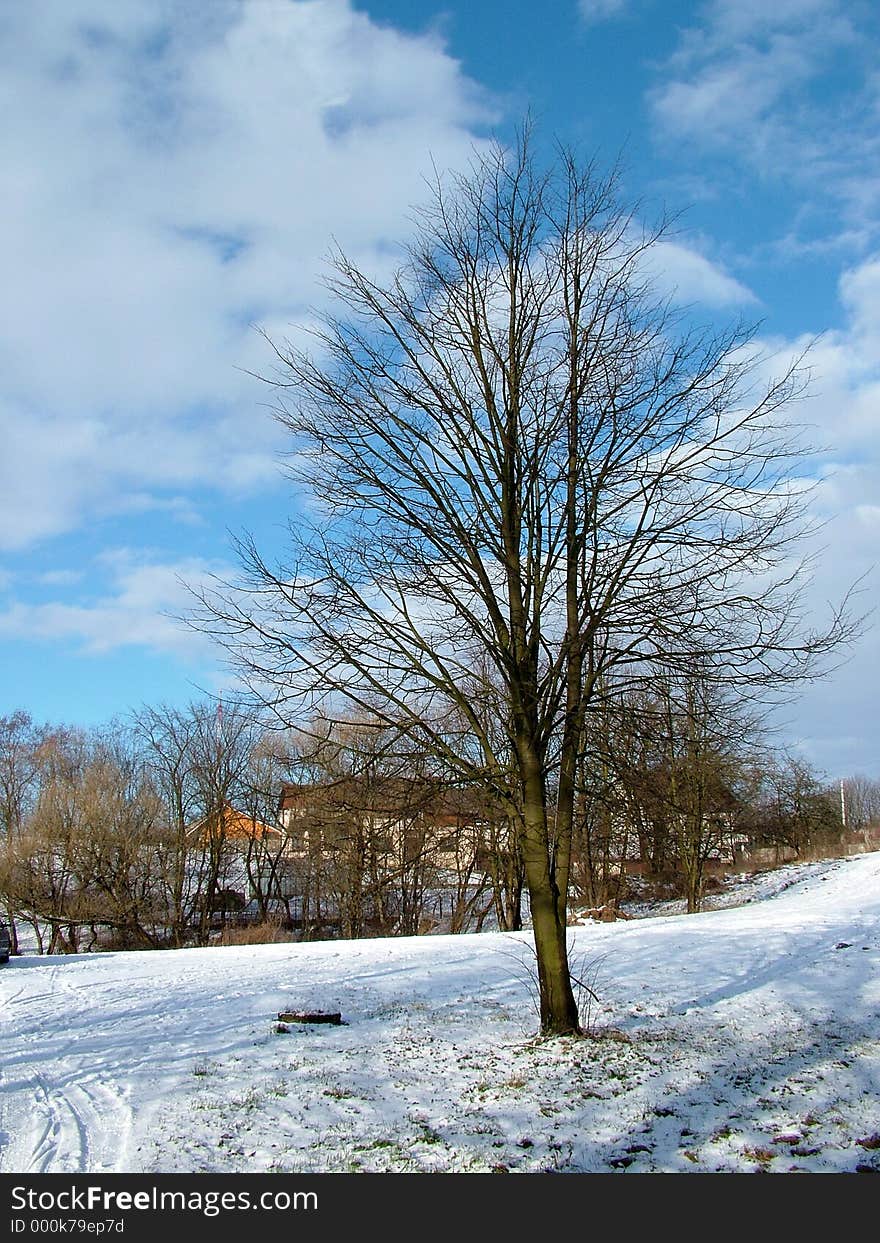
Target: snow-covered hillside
x=738 y=1039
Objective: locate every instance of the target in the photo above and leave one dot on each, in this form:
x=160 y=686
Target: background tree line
x=120 y=837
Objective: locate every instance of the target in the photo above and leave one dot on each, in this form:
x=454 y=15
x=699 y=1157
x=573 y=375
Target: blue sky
x=174 y=175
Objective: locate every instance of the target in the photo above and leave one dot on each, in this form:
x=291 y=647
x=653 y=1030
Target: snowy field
x=741 y=1039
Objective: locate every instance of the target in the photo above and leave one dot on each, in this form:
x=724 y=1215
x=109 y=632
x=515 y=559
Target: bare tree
x=200 y=758
x=87 y=859
x=271 y=766
x=166 y=738
x=615 y=815
x=520 y=458
x=21 y=743
x=704 y=740
x=860 y=802
x=797 y=811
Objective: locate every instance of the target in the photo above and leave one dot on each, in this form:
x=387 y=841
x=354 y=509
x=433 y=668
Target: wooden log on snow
x=309 y=1016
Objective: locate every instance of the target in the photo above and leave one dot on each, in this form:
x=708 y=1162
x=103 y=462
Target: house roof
x=396 y=797
x=233 y=825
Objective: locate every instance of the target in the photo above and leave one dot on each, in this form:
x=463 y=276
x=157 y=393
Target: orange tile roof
x=236 y=825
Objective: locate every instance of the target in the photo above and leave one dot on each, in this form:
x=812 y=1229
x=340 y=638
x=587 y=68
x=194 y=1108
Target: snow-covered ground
x=740 y=1039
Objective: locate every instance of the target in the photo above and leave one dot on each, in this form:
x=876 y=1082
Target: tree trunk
x=558 y=1009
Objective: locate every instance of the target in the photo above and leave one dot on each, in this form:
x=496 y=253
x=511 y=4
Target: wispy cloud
x=139 y=609
x=59 y=578
x=594 y=11
x=789 y=89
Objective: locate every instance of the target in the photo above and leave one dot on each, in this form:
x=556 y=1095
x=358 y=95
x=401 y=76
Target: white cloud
x=835 y=719
x=762 y=83
x=593 y=11
x=688 y=277
x=860 y=294
x=175 y=173
x=140 y=609
x=738 y=19
x=844 y=403
x=59 y=578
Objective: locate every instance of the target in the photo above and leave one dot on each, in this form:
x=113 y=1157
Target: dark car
x=5 y=943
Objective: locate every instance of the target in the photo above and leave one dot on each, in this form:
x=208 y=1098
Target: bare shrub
x=269 y=932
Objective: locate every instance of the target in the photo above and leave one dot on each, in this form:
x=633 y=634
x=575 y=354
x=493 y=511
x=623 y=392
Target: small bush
x=267 y=933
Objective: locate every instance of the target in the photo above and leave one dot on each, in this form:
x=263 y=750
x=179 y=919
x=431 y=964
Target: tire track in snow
x=53 y=1150
x=70 y=1127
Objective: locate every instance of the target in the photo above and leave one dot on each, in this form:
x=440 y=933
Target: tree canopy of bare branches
x=526 y=471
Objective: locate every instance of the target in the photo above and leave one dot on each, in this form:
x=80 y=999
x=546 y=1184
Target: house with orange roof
x=233 y=826
x=249 y=859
